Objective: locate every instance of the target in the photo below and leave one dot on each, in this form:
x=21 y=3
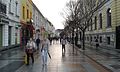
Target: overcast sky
x=51 y=9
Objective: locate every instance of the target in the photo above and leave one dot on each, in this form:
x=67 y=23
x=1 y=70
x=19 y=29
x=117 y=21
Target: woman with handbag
x=30 y=50
x=44 y=51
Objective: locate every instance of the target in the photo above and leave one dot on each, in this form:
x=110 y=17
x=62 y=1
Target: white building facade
x=40 y=23
x=9 y=23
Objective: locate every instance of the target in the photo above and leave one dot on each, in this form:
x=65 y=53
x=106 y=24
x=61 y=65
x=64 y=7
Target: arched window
x=109 y=17
x=95 y=22
x=100 y=20
x=91 y=24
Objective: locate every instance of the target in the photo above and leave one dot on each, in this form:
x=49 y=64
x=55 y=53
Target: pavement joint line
x=91 y=58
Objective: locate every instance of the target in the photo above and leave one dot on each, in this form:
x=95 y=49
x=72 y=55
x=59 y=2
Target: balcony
x=2 y=8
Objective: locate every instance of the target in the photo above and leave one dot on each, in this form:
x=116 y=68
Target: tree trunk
x=83 y=40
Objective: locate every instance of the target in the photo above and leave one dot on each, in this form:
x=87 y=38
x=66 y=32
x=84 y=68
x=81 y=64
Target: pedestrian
x=97 y=44
x=63 y=42
x=45 y=50
x=37 y=43
x=30 y=47
x=50 y=39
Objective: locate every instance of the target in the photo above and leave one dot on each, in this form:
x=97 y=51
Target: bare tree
x=86 y=12
x=79 y=14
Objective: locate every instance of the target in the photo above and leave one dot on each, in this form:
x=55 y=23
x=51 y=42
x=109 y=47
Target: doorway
x=9 y=35
x=118 y=37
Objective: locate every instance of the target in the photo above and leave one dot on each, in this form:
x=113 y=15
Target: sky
x=51 y=9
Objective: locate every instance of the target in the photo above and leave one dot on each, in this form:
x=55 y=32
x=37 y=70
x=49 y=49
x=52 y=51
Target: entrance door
x=118 y=37
x=0 y=35
x=9 y=34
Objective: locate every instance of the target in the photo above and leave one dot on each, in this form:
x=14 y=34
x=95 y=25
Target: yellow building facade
x=26 y=21
x=26 y=10
x=105 y=25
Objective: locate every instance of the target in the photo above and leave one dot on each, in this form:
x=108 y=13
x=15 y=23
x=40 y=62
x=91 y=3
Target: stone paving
x=61 y=62
x=13 y=61
x=108 y=58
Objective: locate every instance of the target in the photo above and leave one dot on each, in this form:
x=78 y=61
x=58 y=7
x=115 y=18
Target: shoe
x=27 y=64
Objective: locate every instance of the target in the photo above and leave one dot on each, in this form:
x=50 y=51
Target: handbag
x=30 y=50
x=25 y=59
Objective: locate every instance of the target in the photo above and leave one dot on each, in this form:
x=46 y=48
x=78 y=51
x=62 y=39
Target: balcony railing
x=2 y=8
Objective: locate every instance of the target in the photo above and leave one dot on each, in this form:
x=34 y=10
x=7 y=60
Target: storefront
x=26 y=33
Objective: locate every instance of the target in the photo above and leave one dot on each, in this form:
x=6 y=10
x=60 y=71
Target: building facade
x=38 y=21
x=41 y=24
x=4 y=22
x=105 y=25
x=26 y=21
x=9 y=21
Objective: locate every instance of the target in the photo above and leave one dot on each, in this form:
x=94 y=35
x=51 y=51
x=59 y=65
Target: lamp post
x=73 y=38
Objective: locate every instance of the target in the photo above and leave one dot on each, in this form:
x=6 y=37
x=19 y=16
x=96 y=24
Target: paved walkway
x=108 y=58
x=67 y=62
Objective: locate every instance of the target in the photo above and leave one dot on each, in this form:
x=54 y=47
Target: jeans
x=44 y=56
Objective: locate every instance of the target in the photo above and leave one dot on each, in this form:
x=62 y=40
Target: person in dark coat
x=37 y=43
x=97 y=44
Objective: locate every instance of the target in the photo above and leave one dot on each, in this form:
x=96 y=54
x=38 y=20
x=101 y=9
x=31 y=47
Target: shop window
x=100 y=39
x=108 y=40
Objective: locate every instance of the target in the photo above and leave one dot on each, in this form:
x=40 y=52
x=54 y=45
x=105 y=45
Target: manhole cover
x=115 y=66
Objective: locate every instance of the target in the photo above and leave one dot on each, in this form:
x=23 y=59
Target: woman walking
x=29 y=50
x=45 y=51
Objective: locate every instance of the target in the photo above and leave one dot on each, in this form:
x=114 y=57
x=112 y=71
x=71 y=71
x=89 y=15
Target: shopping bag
x=25 y=59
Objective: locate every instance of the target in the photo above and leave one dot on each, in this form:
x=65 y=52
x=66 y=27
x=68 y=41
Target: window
x=2 y=8
x=94 y=38
x=30 y=15
x=91 y=24
x=88 y=28
x=91 y=38
x=100 y=39
x=108 y=40
x=109 y=17
x=23 y=12
x=10 y=6
x=95 y=22
x=87 y=38
x=100 y=20
x=16 y=9
x=27 y=13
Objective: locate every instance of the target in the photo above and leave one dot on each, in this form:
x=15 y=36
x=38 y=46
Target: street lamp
x=73 y=37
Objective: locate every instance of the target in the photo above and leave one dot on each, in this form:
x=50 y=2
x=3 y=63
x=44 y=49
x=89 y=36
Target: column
x=13 y=35
x=5 y=35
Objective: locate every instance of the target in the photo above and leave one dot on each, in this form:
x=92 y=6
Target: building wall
x=105 y=32
x=14 y=20
x=27 y=4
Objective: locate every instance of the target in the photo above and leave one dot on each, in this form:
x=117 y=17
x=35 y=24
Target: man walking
x=63 y=42
x=37 y=43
